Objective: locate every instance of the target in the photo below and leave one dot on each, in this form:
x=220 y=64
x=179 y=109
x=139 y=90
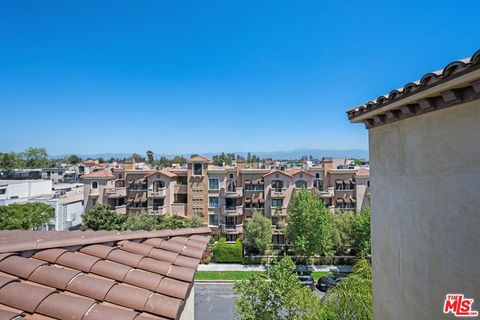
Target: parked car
x=307 y=281
x=323 y=284
x=303 y=270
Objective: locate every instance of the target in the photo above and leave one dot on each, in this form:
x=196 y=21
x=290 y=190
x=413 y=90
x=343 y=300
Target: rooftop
x=453 y=71
x=134 y=275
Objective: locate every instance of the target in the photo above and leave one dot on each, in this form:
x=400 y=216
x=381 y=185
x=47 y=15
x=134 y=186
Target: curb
x=215 y=281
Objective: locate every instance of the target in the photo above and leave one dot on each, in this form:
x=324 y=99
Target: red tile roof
x=167 y=173
x=99 y=174
x=134 y=275
x=363 y=172
x=199 y=159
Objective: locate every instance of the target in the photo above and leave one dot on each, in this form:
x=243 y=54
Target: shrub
x=226 y=252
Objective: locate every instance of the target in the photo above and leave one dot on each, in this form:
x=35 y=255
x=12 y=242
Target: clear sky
x=200 y=76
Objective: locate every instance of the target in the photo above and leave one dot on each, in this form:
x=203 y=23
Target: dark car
x=323 y=284
x=303 y=270
x=307 y=281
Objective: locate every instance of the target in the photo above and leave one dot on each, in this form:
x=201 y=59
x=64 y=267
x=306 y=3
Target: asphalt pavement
x=214 y=301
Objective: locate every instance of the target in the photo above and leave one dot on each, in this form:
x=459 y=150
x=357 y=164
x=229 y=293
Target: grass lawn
x=224 y=275
x=241 y=275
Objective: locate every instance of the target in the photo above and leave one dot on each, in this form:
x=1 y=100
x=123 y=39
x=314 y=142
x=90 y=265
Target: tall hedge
x=228 y=252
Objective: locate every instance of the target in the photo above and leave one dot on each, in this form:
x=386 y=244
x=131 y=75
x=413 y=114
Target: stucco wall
x=425 y=176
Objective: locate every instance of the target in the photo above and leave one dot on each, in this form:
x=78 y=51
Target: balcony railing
x=159 y=193
x=157 y=210
x=279 y=212
x=279 y=192
x=93 y=192
x=232 y=211
x=232 y=228
x=179 y=208
x=120 y=192
x=329 y=193
x=233 y=192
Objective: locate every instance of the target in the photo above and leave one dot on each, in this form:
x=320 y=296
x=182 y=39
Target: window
x=213 y=202
x=94 y=185
x=300 y=184
x=230 y=222
x=3 y=191
x=231 y=176
x=368 y=184
x=231 y=237
x=277 y=185
x=157 y=185
x=277 y=203
x=197 y=169
x=213 y=184
x=213 y=219
x=317 y=175
x=120 y=176
x=318 y=184
x=158 y=203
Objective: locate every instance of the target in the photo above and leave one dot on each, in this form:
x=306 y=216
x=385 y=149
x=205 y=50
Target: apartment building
x=225 y=196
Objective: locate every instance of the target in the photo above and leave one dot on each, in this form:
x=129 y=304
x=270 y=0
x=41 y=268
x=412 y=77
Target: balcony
x=113 y=193
x=279 y=212
x=329 y=193
x=232 y=228
x=121 y=209
x=232 y=192
x=93 y=193
x=179 y=209
x=159 y=193
x=232 y=211
x=180 y=188
x=249 y=211
x=278 y=192
x=157 y=210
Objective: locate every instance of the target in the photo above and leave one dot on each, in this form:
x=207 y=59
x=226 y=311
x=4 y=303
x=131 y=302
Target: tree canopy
x=309 y=226
x=102 y=217
x=258 y=231
x=25 y=216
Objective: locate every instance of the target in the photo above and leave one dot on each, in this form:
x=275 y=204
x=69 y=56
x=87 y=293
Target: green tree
x=102 y=217
x=195 y=221
x=140 y=221
x=74 y=159
x=173 y=222
x=258 y=231
x=25 y=216
x=277 y=296
x=150 y=156
x=36 y=158
x=342 y=231
x=352 y=298
x=10 y=160
x=361 y=243
x=309 y=227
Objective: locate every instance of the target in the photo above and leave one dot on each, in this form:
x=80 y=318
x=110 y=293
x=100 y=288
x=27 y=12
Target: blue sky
x=201 y=76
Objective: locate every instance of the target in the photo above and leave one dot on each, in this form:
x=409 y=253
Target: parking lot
x=214 y=301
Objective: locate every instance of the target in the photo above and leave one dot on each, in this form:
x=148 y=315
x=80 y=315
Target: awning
x=346 y=181
x=339 y=200
x=139 y=181
x=257 y=181
x=247 y=182
x=353 y=200
x=248 y=200
x=261 y=200
x=338 y=181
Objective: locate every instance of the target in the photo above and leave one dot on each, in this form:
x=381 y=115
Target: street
x=213 y=301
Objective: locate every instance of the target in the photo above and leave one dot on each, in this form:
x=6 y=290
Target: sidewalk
x=259 y=267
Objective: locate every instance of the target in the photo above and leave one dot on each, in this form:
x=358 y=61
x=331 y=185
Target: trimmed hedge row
x=228 y=252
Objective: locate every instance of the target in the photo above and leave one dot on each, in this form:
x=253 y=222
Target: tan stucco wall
x=188 y=312
x=425 y=178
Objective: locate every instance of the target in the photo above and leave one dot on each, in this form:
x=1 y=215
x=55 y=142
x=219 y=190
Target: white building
x=13 y=191
x=65 y=198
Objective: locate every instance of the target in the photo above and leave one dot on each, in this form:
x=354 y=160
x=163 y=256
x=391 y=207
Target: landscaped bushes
x=228 y=252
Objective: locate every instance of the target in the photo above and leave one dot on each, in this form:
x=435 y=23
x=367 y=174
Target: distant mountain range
x=276 y=155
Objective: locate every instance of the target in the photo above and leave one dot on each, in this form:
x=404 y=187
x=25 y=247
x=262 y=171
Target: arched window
x=301 y=184
x=277 y=185
x=158 y=185
x=231 y=176
x=94 y=185
x=120 y=176
x=119 y=183
x=197 y=169
x=317 y=175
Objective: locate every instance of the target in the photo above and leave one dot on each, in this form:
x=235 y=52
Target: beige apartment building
x=225 y=196
x=424 y=150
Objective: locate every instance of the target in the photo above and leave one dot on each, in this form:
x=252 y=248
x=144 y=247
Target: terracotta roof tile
x=62 y=306
x=105 y=275
x=9 y=315
x=100 y=174
x=91 y=287
x=103 y=312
